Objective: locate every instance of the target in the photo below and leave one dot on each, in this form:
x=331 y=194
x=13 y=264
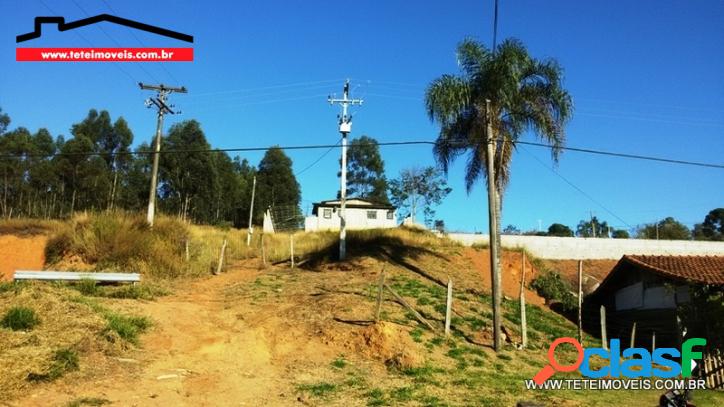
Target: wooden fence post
x=523 y=322
x=448 y=306
x=580 y=301
x=221 y=258
x=633 y=335
x=380 y=290
x=604 y=337
x=187 y=250
x=263 y=251
x=291 y=249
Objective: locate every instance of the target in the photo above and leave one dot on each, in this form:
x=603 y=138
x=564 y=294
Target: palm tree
x=520 y=92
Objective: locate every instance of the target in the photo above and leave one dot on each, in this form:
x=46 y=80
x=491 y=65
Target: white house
x=360 y=214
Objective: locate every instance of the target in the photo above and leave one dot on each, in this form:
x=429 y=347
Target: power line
x=381 y=144
x=574 y=186
x=318 y=159
x=625 y=155
x=246 y=90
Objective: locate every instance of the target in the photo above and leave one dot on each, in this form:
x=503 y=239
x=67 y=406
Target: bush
x=20 y=319
x=551 y=286
x=119 y=241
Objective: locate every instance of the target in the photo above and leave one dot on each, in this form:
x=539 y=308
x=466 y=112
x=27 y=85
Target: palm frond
x=446 y=97
x=472 y=57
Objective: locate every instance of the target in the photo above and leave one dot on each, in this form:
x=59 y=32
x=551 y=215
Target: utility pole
x=160 y=103
x=345 y=127
x=250 y=231
x=493 y=226
x=593 y=225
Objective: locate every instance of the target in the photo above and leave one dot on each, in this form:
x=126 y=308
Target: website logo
x=102 y=54
x=631 y=363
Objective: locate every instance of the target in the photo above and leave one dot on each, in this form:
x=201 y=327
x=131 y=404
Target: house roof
x=700 y=269
x=354 y=203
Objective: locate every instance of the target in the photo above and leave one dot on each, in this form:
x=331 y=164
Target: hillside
x=272 y=335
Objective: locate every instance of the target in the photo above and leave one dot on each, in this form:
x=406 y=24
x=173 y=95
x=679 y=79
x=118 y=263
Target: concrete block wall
x=549 y=247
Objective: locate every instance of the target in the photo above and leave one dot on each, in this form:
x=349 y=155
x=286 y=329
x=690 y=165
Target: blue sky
x=645 y=76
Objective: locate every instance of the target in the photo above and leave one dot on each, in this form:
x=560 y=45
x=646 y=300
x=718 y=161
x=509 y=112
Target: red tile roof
x=701 y=269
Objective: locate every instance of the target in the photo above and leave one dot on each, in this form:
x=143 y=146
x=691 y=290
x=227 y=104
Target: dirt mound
x=594 y=271
x=21 y=253
x=511 y=265
x=392 y=344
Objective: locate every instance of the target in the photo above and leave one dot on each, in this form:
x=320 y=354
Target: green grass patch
x=402 y=394
x=14 y=286
x=88 y=401
x=416 y=335
x=91 y=288
x=376 y=397
x=20 y=319
x=128 y=327
x=339 y=363
x=321 y=389
x=64 y=360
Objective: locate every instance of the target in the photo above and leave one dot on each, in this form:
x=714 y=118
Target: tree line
x=42 y=176
x=96 y=169
x=711 y=228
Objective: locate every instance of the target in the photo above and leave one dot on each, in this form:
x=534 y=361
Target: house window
x=327 y=213
x=390 y=215
x=371 y=214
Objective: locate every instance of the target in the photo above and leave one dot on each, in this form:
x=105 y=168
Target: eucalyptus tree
x=508 y=91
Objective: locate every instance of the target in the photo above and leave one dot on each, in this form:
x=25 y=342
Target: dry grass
x=71 y=328
x=27 y=227
x=64 y=325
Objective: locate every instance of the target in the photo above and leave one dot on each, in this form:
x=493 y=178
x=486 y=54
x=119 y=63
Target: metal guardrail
x=48 y=275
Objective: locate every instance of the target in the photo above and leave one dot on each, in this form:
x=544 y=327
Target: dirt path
x=198 y=354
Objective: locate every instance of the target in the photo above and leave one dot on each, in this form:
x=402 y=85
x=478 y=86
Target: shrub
x=20 y=319
x=551 y=286
x=121 y=242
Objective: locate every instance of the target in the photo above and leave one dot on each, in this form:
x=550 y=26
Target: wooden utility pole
x=160 y=103
x=345 y=127
x=493 y=226
x=633 y=335
x=580 y=301
x=250 y=230
x=523 y=323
